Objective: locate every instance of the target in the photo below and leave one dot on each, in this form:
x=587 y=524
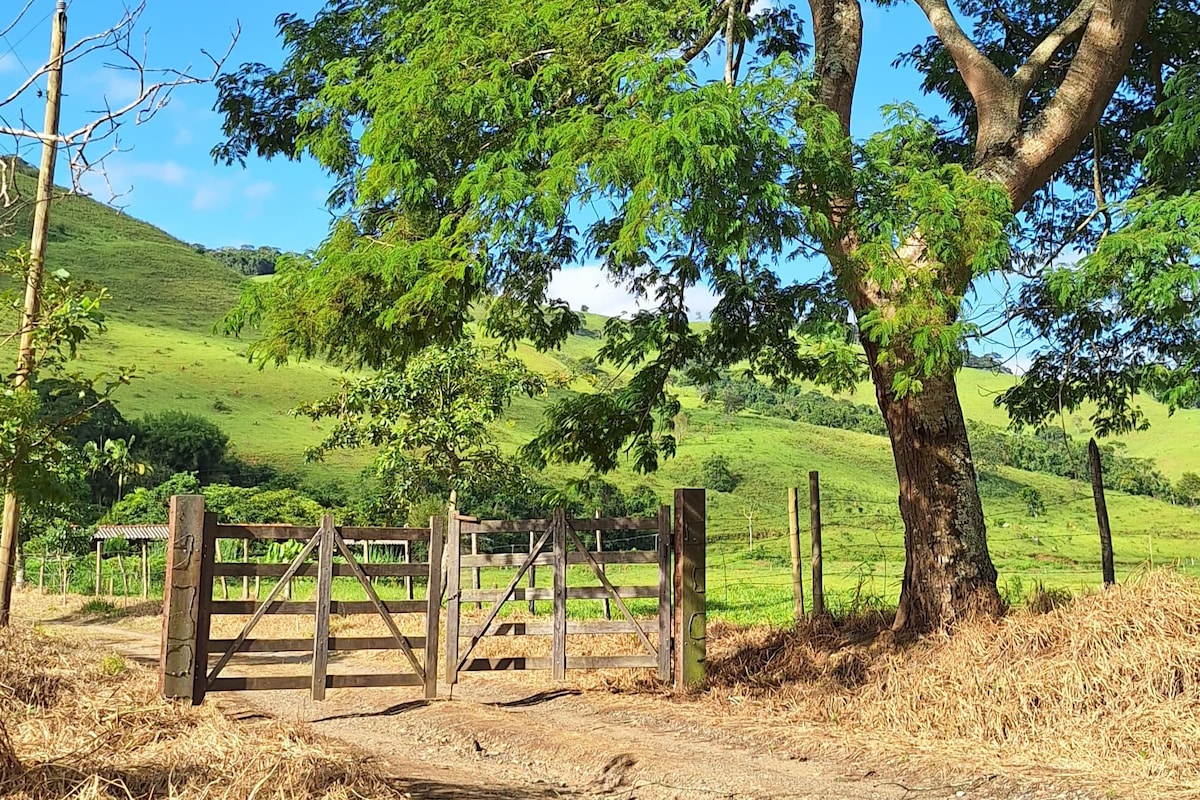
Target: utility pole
x=26 y=361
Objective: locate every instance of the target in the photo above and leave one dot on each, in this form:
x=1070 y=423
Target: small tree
x=717 y=474
x=432 y=421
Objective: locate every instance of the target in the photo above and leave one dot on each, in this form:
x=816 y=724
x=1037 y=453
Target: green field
x=167 y=299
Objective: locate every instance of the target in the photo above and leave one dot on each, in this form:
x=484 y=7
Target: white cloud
x=761 y=7
x=590 y=286
x=8 y=63
x=212 y=194
x=260 y=190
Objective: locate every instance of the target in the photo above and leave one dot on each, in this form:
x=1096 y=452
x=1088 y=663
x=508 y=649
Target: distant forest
x=245 y=260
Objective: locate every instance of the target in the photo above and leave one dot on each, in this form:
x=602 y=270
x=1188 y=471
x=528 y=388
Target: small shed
x=131 y=533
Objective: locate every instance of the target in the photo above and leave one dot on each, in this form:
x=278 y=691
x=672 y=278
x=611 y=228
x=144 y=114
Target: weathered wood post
x=814 y=516
x=453 y=590
x=406 y=554
x=603 y=566
x=99 y=555
x=320 y=659
x=794 y=538
x=532 y=574
x=663 y=543
x=245 y=560
x=558 y=645
x=433 y=594
x=475 y=585
x=187 y=595
x=1106 y=551
x=690 y=588
x=145 y=569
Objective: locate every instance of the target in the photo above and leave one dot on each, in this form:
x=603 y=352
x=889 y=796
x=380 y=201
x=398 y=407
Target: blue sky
x=165 y=175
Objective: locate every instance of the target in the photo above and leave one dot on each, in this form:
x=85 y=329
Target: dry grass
x=1106 y=687
x=85 y=725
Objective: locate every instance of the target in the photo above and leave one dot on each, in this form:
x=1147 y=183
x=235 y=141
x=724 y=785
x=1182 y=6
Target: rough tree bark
x=948 y=574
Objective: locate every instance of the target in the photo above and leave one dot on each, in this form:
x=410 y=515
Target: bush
x=717 y=474
x=176 y=441
x=1032 y=499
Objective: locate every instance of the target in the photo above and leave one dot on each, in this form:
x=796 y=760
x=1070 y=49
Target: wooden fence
x=671 y=641
x=188 y=605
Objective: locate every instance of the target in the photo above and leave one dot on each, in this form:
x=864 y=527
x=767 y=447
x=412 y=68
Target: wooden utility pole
x=1106 y=551
x=818 y=574
x=794 y=537
x=33 y=288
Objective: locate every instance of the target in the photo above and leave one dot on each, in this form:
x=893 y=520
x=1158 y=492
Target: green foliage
x=245 y=260
x=432 y=423
x=177 y=441
x=716 y=474
x=1032 y=499
x=1187 y=488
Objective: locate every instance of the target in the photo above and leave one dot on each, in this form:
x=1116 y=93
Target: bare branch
x=17 y=20
x=994 y=93
x=1039 y=60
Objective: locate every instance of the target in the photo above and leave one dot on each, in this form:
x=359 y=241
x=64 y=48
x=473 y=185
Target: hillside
x=167 y=297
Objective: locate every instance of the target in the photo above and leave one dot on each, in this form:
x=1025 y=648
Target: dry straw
x=1106 y=687
x=75 y=724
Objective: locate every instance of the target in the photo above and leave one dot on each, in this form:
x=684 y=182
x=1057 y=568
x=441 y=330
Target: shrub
x=717 y=474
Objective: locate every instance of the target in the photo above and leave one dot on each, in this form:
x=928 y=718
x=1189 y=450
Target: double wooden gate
x=668 y=638
x=193 y=664
x=566 y=547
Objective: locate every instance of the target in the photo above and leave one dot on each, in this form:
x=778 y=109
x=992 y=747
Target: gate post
x=453 y=590
x=183 y=658
x=690 y=586
x=433 y=604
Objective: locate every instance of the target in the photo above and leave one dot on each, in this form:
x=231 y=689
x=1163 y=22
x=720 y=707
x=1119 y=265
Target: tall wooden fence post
x=558 y=646
x=99 y=555
x=245 y=560
x=603 y=566
x=475 y=584
x=1106 y=551
x=433 y=602
x=663 y=543
x=814 y=515
x=794 y=538
x=183 y=599
x=453 y=590
x=320 y=659
x=690 y=587
x=532 y=574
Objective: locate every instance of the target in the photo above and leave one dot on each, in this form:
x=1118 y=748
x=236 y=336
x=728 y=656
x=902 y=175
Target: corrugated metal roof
x=131 y=532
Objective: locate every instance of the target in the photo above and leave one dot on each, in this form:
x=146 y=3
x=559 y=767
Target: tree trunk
x=948 y=573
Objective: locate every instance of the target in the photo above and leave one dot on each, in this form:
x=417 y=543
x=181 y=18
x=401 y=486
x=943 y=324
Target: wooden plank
x=505 y=525
x=377 y=604
x=268 y=532
x=433 y=599
x=558 y=644
x=794 y=541
x=495 y=610
x=343 y=608
x=320 y=651
x=273 y=682
x=260 y=611
x=573 y=593
x=501 y=664
x=603 y=628
x=690 y=636
x=600 y=552
x=475 y=570
x=236 y=570
x=547 y=560
x=204 y=616
x=336 y=644
x=538 y=525
x=385 y=534
x=177 y=656
x=611 y=591
x=453 y=599
x=664 y=593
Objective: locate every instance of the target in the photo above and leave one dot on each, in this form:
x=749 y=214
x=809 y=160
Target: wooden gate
x=193 y=664
x=566 y=547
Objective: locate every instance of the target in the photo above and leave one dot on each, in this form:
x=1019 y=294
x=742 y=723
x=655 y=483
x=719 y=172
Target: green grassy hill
x=167 y=298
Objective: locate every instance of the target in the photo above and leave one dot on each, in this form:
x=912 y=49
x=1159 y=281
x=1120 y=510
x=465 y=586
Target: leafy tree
x=462 y=138
x=1032 y=499
x=178 y=441
x=431 y=422
x=1188 y=488
x=716 y=474
x=117 y=459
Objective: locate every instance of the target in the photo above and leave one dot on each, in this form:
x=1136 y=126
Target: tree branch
x=994 y=93
x=1039 y=60
x=715 y=24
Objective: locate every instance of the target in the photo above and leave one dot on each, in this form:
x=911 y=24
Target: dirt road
x=518 y=735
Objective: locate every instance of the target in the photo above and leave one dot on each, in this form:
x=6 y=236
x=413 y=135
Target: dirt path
x=520 y=736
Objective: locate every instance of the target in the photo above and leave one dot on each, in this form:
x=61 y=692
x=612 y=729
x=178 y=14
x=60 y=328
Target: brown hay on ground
x=1107 y=686
x=85 y=725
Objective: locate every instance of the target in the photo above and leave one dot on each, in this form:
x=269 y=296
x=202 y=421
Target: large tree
x=479 y=147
